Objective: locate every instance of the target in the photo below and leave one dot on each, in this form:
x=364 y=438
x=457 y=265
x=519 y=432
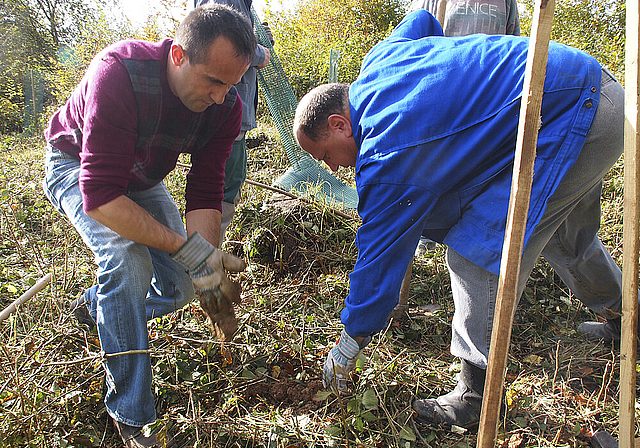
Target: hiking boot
x=608 y=331
x=133 y=437
x=460 y=407
x=80 y=310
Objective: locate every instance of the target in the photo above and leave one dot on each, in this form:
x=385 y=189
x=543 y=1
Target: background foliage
x=305 y=36
x=57 y=39
x=594 y=26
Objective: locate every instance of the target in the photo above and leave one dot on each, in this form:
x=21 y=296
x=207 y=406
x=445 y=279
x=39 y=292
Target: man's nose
x=219 y=93
x=333 y=166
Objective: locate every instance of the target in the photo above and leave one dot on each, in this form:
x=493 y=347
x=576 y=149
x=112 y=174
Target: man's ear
x=340 y=123
x=177 y=55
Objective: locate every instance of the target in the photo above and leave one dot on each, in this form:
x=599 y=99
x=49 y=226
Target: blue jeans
x=566 y=237
x=235 y=173
x=134 y=284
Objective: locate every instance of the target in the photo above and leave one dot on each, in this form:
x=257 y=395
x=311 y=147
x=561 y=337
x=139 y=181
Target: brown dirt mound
x=296 y=237
x=286 y=393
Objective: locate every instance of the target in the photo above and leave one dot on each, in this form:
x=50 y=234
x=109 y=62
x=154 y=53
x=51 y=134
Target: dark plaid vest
x=164 y=134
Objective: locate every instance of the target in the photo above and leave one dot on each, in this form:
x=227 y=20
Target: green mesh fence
x=306 y=176
x=334 y=59
x=33 y=101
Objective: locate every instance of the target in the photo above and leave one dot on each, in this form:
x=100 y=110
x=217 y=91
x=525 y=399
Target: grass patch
x=266 y=390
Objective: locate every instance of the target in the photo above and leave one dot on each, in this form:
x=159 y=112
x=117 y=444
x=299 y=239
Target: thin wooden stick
x=25 y=297
x=518 y=210
x=441 y=11
x=401 y=309
x=628 y=347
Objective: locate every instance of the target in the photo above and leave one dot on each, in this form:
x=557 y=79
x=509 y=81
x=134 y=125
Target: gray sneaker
x=424 y=245
x=80 y=310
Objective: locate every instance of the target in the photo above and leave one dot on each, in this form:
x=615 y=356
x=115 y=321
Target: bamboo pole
x=25 y=297
x=628 y=347
x=518 y=210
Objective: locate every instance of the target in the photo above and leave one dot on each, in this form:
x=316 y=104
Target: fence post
x=628 y=347
x=518 y=210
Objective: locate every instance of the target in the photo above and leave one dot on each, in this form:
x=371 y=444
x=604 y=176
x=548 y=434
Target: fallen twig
x=25 y=297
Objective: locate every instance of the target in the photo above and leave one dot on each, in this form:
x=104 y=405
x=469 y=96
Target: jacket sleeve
x=205 y=180
x=393 y=216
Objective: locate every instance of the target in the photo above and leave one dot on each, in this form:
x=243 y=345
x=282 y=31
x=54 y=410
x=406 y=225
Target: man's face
x=336 y=150
x=200 y=85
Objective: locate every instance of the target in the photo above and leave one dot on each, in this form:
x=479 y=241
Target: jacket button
x=588 y=104
x=593 y=89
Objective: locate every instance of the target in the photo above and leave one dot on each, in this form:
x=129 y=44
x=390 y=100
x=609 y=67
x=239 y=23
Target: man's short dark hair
x=316 y=107
x=207 y=22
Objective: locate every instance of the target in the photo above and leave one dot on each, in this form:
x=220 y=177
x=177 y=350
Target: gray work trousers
x=566 y=237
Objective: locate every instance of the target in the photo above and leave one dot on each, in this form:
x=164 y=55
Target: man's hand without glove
x=269 y=33
x=341 y=360
x=206 y=266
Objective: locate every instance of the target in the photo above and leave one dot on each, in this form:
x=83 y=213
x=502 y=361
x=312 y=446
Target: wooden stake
x=442 y=9
x=518 y=210
x=400 y=312
x=628 y=347
x=26 y=296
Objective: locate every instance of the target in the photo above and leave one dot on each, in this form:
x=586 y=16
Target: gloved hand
x=206 y=266
x=269 y=33
x=341 y=360
x=220 y=312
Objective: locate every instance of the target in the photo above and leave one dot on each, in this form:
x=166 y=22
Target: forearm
x=206 y=222
x=128 y=219
x=259 y=57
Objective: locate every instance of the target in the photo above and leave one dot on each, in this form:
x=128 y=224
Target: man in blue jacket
x=430 y=126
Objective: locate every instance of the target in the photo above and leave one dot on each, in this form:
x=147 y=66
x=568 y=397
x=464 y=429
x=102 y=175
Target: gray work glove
x=269 y=33
x=206 y=266
x=341 y=360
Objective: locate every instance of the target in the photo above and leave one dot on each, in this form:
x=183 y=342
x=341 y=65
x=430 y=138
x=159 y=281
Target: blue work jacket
x=435 y=119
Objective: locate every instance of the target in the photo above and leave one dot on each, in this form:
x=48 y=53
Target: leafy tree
x=101 y=31
x=72 y=61
x=63 y=19
x=305 y=36
x=594 y=26
x=32 y=32
x=26 y=46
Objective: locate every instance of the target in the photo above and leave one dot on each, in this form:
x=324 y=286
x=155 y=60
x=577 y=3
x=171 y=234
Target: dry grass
x=261 y=393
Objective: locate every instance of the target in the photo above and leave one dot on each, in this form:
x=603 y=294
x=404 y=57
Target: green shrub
x=10 y=116
x=305 y=36
x=594 y=26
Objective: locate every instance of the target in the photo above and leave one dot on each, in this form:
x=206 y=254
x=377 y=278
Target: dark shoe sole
x=79 y=309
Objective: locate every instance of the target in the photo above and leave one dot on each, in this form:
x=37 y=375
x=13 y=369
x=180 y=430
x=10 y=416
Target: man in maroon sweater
x=138 y=107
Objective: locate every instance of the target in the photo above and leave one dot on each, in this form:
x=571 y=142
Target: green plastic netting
x=334 y=58
x=305 y=176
